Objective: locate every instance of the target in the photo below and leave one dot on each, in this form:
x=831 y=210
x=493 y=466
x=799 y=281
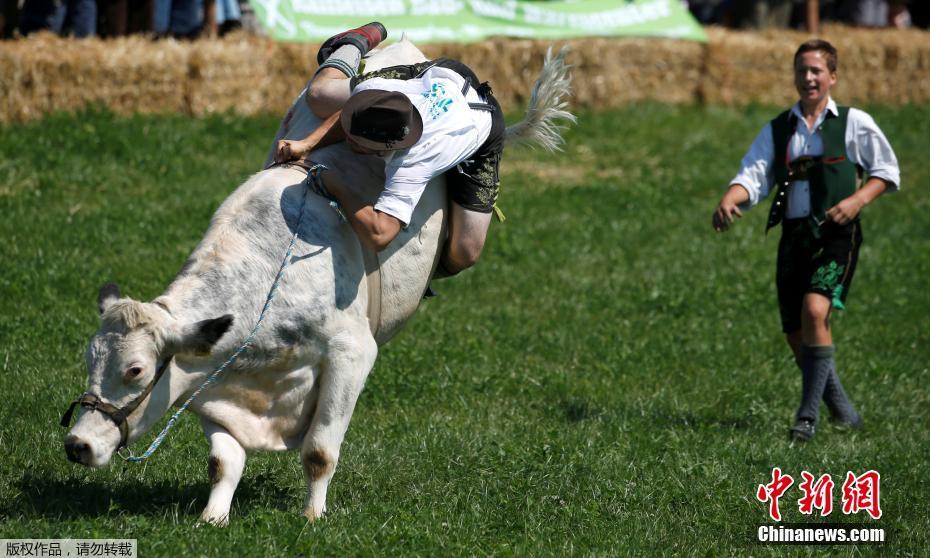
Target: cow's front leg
x=343 y=375
x=227 y=461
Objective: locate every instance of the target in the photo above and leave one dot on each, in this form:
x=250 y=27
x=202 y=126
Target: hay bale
x=45 y=73
x=874 y=66
x=614 y=72
x=290 y=68
x=742 y=68
x=229 y=74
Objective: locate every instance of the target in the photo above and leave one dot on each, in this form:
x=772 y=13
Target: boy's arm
x=751 y=183
x=849 y=208
x=728 y=207
x=327 y=133
x=870 y=149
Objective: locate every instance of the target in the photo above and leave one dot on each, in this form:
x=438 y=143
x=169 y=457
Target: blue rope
x=310 y=182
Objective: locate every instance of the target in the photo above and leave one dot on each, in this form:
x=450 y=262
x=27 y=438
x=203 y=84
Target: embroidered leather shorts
x=475 y=182
x=807 y=264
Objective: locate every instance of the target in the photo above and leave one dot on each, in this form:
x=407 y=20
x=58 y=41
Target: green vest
x=833 y=177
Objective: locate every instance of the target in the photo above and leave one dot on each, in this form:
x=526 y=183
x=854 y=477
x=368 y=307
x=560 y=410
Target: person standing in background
x=75 y=17
x=812 y=156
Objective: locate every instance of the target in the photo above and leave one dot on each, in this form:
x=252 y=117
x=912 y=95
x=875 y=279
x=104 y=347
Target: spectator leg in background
x=141 y=16
x=82 y=17
x=813 y=17
x=41 y=15
x=871 y=13
x=9 y=17
x=114 y=17
x=162 y=17
x=209 y=18
x=186 y=22
x=776 y=13
x=920 y=14
x=228 y=16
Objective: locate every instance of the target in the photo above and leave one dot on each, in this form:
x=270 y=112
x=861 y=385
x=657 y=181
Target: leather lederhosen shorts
x=807 y=264
x=475 y=182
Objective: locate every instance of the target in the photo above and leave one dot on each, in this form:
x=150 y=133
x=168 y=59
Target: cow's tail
x=546 y=114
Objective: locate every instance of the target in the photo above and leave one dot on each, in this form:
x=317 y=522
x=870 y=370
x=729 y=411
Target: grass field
x=610 y=379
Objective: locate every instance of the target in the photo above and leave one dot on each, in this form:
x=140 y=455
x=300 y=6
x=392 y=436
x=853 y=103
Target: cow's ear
x=108 y=294
x=199 y=337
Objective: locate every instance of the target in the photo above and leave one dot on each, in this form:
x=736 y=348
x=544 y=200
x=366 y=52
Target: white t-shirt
x=866 y=146
x=452 y=131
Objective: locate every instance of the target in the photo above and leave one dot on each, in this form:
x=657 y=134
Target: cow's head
x=131 y=350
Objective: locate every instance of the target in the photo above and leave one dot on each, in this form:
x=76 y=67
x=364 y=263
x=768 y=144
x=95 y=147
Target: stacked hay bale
x=249 y=74
x=747 y=68
x=46 y=74
x=875 y=66
x=607 y=72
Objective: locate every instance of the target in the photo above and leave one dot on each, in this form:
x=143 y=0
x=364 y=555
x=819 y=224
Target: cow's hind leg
x=227 y=461
x=343 y=375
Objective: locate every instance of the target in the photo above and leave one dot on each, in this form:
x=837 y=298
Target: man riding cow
x=423 y=120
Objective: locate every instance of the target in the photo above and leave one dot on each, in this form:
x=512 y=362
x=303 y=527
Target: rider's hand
x=289 y=150
x=283 y=152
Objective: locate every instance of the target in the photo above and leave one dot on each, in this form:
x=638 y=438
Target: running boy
x=812 y=156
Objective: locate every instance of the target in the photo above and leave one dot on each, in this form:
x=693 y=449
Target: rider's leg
x=339 y=59
x=328 y=90
x=467 y=232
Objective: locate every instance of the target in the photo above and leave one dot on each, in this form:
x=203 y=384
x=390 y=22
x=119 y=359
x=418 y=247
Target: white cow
x=297 y=383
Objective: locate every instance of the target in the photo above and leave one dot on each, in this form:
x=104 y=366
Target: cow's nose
x=77 y=449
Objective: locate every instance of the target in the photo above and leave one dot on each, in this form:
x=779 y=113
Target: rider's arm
x=327 y=133
x=374 y=228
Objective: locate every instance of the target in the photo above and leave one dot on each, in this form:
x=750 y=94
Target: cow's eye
x=134 y=372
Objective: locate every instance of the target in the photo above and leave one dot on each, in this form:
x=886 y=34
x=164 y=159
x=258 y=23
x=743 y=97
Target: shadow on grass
x=78 y=498
x=580 y=410
x=691 y=420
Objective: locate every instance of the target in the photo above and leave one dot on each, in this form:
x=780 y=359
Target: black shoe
x=802 y=431
x=847 y=423
x=364 y=38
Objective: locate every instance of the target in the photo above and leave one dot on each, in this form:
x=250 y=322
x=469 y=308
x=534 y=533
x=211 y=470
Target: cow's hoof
x=216 y=521
x=313 y=515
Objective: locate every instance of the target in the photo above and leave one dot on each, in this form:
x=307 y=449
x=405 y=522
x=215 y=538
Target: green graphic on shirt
x=827 y=276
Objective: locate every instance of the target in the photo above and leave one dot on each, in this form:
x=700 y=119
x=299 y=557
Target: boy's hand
x=724 y=214
x=729 y=207
x=845 y=211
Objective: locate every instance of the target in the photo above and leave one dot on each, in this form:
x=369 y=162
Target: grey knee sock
x=816 y=365
x=839 y=404
x=346 y=59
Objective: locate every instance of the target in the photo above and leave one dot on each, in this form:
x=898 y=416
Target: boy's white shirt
x=452 y=131
x=866 y=146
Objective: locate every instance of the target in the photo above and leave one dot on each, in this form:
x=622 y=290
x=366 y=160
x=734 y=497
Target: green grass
x=610 y=380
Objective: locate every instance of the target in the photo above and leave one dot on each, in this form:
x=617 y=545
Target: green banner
x=463 y=21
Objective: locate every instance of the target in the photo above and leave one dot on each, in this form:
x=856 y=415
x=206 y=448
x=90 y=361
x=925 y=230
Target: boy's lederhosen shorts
x=807 y=264
x=475 y=182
